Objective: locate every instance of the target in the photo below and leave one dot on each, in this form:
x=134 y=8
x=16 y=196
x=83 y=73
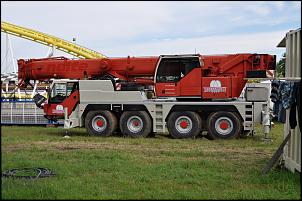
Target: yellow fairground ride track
x=52 y=41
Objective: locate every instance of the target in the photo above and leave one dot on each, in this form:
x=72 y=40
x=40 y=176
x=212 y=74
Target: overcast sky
x=119 y=29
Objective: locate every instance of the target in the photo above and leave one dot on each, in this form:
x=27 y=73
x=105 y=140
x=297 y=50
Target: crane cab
x=178 y=76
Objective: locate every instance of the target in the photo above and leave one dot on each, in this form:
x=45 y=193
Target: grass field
x=89 y=167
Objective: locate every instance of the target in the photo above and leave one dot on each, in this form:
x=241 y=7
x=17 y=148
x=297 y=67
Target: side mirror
x=39 y=99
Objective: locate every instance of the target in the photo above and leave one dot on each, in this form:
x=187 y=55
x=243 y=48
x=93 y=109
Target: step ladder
x=249 y=118
x=159 y=122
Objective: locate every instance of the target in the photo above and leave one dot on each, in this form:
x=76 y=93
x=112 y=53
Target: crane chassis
x=96 y=105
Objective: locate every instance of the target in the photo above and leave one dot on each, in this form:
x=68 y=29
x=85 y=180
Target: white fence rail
x=22 y=112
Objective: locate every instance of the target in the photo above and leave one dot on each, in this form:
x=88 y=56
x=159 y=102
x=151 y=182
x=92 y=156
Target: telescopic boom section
x=126 y=69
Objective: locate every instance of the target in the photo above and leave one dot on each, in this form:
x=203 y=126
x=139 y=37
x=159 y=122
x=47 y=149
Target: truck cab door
x=190 y=81
x=167 y=76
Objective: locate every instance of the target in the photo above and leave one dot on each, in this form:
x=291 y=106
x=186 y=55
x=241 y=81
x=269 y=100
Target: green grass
x=89 y=167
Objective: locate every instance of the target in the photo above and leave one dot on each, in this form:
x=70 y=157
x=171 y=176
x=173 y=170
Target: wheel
x=100 y=123
x=184 y=124
x=135 y=124
x=223 y=125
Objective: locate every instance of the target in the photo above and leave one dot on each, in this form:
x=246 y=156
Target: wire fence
x=23 y=112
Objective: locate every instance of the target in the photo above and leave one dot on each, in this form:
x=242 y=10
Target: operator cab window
x=168 y=71
x=188 y=64
x=173 y=69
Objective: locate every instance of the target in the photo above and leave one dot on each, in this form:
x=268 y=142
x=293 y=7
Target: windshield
x=60 y=91
x=173 y=69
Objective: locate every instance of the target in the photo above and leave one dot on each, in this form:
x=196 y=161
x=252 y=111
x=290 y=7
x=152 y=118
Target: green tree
x=280 y=68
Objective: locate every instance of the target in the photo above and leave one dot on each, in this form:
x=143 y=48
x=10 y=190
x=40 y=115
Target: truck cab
x=61 y=94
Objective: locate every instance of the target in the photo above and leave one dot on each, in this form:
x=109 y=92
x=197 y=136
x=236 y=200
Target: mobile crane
x=192 y=93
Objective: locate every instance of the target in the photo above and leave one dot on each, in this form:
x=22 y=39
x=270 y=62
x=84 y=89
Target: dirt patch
x=13 y=148
x=101 y=145
x=163 y=151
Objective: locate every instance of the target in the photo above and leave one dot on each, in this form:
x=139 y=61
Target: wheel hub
x=135 y=124
x=100 y=123
x=224 y=125
x=183 y=124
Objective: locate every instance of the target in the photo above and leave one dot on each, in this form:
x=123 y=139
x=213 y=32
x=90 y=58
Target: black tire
x=179 y=132
x=143 y=127
x=230 y=121
x=107 y=117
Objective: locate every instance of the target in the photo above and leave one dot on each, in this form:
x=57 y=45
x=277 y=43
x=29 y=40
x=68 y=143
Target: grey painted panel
x=96 y=91
x=292 y=151
x=256 y=94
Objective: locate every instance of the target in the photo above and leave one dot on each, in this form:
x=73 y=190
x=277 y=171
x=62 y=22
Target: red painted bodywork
x=227 y=70
x=231 y=70
x=62 y=68
x=70 y=102
x=188 y=86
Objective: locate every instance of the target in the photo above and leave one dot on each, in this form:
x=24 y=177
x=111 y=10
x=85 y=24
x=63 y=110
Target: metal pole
x=34 y=90
x=66 y=120
x=48 y=52
x=19 y=94
x=65 y=113
x=11 y=113
x=35 y=115
x=266 y=122
x=23 y=111
x=12 y=54
x=7 y=47
x=53 y=49
x=74 y=40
